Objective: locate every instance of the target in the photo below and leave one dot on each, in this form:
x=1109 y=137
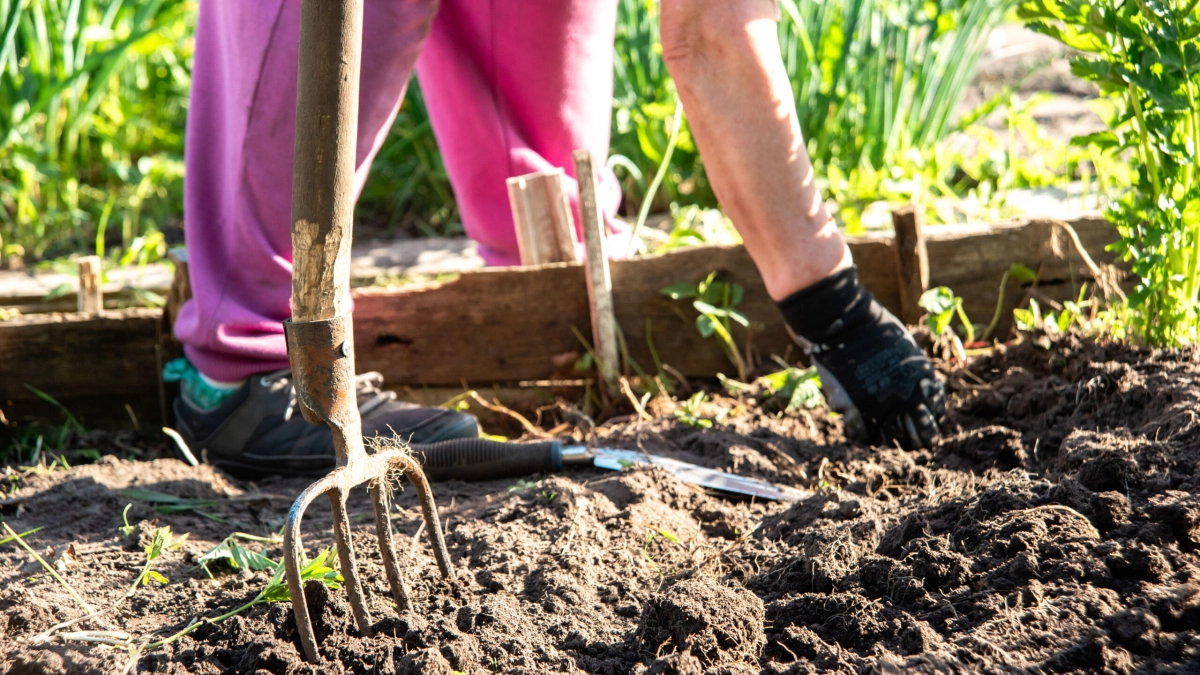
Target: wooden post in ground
x=91 y=300
x=599 y=278
x=542 y=215
x=912 y=262
x=181 y=285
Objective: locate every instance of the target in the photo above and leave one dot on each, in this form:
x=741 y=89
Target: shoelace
x=364 y=384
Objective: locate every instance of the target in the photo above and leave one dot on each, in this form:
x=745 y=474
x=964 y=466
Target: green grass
x=96 y=98
x=95 y=93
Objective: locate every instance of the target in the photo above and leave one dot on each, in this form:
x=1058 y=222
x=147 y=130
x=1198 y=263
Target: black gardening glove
x=871 y=370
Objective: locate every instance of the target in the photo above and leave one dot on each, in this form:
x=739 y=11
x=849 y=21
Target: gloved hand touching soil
x=871 y=370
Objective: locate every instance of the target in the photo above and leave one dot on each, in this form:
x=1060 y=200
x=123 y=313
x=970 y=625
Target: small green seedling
x=715 y=301
x=943 y=305
x=127 y=529
x=276 y=590
x=688 y=412
x=1073 y=313
x=163 y=540
x=651 y=532
x=237 y=556
x=523 y=485
x=794 y=388
x=1021 y=274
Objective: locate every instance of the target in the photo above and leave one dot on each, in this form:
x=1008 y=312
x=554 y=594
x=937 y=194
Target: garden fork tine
x=320 y=334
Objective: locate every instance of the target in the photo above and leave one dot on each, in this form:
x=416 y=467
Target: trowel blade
x=615 y=460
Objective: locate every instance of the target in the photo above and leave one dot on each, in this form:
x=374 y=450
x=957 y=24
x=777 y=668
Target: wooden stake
x=542 y=215
x=599 y=279
x=91 y=300
x=181 y=285
x=912 y=262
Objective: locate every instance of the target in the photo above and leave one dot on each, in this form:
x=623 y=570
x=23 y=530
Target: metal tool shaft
x=320 y=335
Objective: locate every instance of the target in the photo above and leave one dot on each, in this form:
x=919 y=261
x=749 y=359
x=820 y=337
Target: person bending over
x=511 y=88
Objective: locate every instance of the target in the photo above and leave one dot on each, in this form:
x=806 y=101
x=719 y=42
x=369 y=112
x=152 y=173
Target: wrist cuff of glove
x=823 y=310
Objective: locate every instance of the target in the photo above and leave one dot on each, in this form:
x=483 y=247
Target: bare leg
x=724 y=57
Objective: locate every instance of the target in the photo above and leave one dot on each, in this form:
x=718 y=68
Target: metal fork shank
x=323 y=367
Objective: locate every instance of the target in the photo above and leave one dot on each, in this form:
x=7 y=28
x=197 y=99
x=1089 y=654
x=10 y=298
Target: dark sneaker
x=259 y=430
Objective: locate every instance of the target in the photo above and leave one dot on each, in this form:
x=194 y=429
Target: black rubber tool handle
x=481 y=459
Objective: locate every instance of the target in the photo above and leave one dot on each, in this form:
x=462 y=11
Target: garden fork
x=320 y=335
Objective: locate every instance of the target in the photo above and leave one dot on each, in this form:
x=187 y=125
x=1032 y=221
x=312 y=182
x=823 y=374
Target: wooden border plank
x=83 y=361
x=506 y=325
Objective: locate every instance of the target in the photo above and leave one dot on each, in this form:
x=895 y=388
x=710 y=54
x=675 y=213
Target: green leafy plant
x=1145 y=56
x=162 y=540
x=688 y=411
x=237 y=556
x=715 y=301
x=276 y=590
x=942 y=306
x=95 y=95
x=793 y=388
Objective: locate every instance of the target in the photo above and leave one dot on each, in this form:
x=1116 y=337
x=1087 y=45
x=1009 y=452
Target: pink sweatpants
x=512 y=87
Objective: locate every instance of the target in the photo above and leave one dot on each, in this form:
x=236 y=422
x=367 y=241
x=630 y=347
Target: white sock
x=217 y=384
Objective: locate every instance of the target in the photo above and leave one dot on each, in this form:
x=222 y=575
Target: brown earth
x=1054 y=529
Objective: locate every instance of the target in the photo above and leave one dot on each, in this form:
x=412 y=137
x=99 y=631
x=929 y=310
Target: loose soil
x=1054 y=529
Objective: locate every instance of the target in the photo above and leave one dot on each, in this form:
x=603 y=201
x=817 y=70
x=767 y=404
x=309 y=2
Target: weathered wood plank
x=91 y=299
x=542 y=217
x=88 y=363
x=599 y=275
x=507 y=325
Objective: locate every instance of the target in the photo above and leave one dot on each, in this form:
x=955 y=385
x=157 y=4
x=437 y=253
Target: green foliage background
x=95 y=94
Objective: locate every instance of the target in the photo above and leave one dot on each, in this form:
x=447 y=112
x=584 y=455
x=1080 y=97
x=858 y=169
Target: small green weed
x=237 y=556
x=163 y=540
x=793 y=388
x=688 y=412
x=276 y=590
x=715 y=301
x=127 y=529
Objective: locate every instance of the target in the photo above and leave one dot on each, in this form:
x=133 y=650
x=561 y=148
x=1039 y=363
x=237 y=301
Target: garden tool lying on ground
x=481 y=459
x=320 y=335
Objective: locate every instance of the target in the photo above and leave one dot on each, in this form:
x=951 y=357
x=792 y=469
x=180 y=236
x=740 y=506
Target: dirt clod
x=716 y=623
